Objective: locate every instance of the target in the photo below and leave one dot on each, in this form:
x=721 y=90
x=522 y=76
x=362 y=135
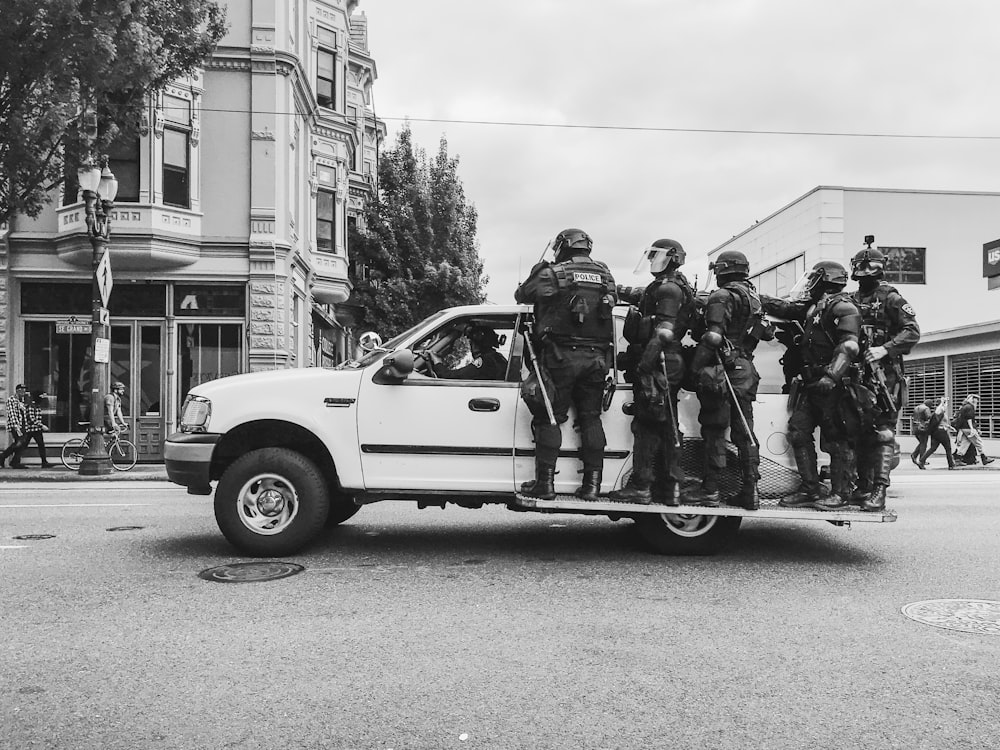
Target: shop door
x=137 y=361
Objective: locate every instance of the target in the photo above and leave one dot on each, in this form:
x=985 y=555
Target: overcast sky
x=918 y=67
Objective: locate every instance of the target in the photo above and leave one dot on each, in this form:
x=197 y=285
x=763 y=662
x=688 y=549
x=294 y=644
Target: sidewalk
x=58 y=473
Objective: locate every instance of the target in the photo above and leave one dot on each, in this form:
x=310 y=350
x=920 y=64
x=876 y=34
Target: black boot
x=805 y=463
x=875 y=502
x=543 y=487
x=591 y=487
x=841 y=479
x=632 y=493
x=985 y=459
x=747 y=497
x=665 y=488
x=709 y=491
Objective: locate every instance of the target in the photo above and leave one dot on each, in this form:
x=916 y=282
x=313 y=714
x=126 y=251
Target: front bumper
x=188 y=459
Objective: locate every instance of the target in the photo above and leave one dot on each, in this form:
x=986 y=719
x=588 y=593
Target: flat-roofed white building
x=943 y=255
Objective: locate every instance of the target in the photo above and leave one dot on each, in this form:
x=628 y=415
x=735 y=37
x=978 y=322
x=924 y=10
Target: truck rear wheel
x=271 y=502
x=687 y=534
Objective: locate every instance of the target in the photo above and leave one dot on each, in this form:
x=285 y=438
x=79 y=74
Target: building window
x=904 y=265
x=216 y=300
x=778 y=281
x=123 y=161
x=326 y=78
x=207 y=351
x=978 y=373
x=325 y=221
x=176 y=168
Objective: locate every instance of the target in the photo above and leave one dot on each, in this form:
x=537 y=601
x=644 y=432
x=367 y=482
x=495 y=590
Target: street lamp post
x=99 y=190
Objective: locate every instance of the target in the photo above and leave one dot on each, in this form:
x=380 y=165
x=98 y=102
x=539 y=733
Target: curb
x=147 y=472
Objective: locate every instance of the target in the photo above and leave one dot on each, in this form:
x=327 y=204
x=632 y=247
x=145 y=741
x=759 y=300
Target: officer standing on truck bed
x=654 y=365
x=888 y=331
x=829 y=346
x=727 y=379
x=573 y=338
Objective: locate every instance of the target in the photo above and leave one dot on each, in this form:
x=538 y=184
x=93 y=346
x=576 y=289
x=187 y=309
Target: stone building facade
x=229 y=233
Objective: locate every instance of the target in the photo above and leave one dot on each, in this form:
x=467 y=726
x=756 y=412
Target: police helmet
x=662 y=255
x=826 y=276
x=483 y=336
x=731 y=263
x=867 y=264
x=570 y=241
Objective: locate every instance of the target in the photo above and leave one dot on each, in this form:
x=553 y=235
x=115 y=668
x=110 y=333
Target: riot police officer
x=829 y=345
x=654 y=365
x=727 y=379
x=888 y=331
x=574 y=341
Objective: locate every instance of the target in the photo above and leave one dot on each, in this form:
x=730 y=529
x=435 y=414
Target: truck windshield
x=367 y=358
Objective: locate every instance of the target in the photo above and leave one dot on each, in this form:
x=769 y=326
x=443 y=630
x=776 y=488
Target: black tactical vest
x=649 y=307
x=742 y=329
x=874 y=320
x=821 y=335
x=581 y=308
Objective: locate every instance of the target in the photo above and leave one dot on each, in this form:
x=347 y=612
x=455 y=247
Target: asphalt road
x=491 y=629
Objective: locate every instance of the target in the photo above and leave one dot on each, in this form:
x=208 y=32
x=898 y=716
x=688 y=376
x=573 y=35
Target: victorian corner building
x=229 y=233
x=943 y=255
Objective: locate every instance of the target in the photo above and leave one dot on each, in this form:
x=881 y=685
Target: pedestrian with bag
x=573 y=338
x=920 y=427
x=35 y=427
x=654 y=365
x=968 y=435
x=939 y=429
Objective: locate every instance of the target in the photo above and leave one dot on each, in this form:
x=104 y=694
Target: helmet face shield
x=867 y=264
x=659 y=259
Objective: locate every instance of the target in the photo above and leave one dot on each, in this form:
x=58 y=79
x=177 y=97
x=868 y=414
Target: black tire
x=687 y=534
x=123 y=454
x=271 y=502
x=72 y=453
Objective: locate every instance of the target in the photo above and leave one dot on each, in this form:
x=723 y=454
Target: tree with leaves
x=75 y=74
x=420 y=244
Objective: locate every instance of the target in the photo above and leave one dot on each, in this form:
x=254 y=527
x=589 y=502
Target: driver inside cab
x=487 y=363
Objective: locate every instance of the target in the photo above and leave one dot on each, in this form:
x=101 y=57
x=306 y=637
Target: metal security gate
x=978 y=373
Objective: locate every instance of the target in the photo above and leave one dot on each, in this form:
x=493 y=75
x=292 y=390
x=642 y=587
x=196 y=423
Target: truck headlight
x=196 y=414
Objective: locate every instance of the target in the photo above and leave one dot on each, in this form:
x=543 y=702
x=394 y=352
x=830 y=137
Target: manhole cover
x=968 y=615
x=35 y=536
x=250 y=572
x=125 y=528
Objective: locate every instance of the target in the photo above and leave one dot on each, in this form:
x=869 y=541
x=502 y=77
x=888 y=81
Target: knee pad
x=884 y=436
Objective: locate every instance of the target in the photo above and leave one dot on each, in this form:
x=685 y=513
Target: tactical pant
x=578 y=373
x=874 y=448
x=826 y=411
x=720 y=412
x=655 y=457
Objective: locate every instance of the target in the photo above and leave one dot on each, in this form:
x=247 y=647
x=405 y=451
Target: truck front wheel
x=271 y=502
x=687 y=534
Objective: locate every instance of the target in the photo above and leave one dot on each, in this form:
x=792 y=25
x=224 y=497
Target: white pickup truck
x=295 y=450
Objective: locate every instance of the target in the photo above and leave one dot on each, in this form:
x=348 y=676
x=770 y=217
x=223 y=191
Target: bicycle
x=122 y=452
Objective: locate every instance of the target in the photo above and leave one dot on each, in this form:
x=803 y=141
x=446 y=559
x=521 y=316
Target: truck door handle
x=484 y=404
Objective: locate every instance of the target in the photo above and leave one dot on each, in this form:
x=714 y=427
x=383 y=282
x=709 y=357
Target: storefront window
x=59 y=364
x=213 y=301
x=208 y=351
x=127 y=300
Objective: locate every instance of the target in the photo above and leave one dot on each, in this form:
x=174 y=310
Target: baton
x=538 y=374
x=670 y=402
x=736 y=403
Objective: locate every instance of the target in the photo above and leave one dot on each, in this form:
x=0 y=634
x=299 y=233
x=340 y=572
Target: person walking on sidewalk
x=938 y=431
x=968 y=435
x=920 y=421
x=17 y=418
x=35 y=427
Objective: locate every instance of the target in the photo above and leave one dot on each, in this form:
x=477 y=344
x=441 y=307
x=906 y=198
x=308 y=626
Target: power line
x=637 y=128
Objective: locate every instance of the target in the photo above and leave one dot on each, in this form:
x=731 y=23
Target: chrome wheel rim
x=267 y=504
x=688 y=524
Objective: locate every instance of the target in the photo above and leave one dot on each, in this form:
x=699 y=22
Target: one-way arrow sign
x=104 y=280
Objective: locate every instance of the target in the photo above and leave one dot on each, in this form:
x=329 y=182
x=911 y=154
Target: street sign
x=104 y=280
x=73 y=325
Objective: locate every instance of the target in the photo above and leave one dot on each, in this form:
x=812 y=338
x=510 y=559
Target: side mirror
x=395 y=369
